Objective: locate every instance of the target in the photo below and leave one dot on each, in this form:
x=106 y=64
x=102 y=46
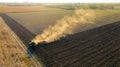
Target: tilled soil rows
x=98 y=47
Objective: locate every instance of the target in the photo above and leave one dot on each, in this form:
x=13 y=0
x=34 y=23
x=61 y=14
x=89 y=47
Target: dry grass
x=11 y=53
x=4 y=9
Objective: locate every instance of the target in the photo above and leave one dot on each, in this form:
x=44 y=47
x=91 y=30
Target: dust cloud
x=66 y=25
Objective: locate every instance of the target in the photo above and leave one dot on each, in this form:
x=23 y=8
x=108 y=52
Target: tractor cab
x=31 y=47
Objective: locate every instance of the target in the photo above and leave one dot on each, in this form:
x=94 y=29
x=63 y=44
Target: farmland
x=12 y=53
x=95 y=47
x=45 y=18
x=24 y=34
x=14 y=9
x=98 y=47
x=91 y=45
x=103 y=17
x=37 y=21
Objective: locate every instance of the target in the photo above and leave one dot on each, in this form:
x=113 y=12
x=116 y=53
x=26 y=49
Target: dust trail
x=66 y=25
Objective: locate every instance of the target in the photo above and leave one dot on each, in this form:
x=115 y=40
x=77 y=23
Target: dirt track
x=25 y=35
